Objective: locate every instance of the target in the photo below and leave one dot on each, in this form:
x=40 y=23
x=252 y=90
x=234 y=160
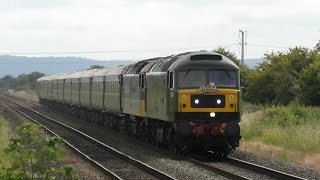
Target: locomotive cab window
x=192 y=78
x=223 y=78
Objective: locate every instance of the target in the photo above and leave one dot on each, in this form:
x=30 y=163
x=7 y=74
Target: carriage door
x=143 y=94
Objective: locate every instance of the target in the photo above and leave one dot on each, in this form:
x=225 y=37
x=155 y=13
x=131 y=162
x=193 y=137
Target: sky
x=137 y=29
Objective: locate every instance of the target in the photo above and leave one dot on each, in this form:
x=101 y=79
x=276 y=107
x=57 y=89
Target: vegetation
x=318 y=46
x=4 y=137
x=95 y=67
x=22 y=82
x=294 y=126
x=228 y=54
x=281 y=96
x=35 y=156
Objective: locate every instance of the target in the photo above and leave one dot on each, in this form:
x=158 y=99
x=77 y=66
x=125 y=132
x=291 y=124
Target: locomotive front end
x=208 y=102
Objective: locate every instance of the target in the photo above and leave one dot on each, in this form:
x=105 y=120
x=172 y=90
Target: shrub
x=36 y=156
x=294 y=126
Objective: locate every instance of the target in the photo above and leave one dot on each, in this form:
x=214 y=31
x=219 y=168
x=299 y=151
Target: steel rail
x=262 y=169
x=216 y=170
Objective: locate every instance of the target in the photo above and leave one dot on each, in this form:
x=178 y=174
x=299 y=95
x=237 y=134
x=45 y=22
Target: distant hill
x=15 y=65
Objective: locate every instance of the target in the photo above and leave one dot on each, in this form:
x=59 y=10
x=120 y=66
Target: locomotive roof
x=182 y=61
x=203 y=59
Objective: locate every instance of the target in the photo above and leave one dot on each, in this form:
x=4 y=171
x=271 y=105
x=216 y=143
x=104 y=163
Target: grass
x=4 y=140
x=295 y=127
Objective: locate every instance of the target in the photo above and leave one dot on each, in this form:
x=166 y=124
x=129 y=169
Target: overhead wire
x=108 y=51
x=269 y=46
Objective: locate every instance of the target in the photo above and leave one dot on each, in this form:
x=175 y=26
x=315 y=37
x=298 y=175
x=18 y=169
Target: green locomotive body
x=182 y=101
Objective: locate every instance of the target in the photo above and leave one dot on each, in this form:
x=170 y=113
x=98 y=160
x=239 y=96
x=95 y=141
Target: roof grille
x=206 y=57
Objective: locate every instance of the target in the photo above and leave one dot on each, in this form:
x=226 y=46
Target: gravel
x=282 y=166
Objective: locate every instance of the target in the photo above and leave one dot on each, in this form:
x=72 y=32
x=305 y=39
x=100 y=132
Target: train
x=183 y=102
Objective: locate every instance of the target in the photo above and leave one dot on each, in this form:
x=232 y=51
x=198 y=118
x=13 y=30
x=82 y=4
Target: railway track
x=253 y=169
x=25 y=100
x=262 y=169
x=113 y=163
x=242 y=169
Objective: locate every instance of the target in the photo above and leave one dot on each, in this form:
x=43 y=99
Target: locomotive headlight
x=212 y=114
x=218 y=101
x=196 y=101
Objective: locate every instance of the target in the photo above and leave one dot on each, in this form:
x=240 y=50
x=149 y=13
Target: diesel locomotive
x=184 y=102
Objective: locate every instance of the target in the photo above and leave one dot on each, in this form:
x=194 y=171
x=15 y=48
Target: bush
x=294 y=126
x=310 y=84
x=36 y=157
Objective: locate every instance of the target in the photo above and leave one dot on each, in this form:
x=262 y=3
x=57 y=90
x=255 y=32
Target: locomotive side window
x=170 y=82
x=142 y=81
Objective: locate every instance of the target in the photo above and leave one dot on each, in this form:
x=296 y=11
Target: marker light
x=218 y=101
x=196 y=101
x=212 y=114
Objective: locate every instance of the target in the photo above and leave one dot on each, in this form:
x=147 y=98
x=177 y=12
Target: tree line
x=22 y=82
x=282 y=77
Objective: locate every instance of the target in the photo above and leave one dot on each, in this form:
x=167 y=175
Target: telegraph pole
x=242 y=46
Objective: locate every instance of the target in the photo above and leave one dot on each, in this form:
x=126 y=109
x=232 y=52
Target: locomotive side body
x=156 y=96
x=131 y=97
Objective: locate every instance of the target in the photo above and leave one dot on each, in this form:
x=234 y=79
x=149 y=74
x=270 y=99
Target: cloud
x=166 y=26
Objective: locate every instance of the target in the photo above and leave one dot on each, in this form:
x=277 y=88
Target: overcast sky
x=147 y=28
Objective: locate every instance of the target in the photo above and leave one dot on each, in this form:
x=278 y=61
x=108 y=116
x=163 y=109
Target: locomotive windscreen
x=197 y=78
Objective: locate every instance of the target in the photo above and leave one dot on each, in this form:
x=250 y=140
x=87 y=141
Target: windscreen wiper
x=185 y=74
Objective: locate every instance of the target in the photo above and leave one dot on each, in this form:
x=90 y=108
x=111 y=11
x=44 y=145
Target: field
x=286 y=132
x=27 y=94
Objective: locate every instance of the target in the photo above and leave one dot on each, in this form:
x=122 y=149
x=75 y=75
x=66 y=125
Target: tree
x=32 y=79
x=95 y=67
x=228 y=54
x=318 y=46
x=309 y=82
x=276 y=79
